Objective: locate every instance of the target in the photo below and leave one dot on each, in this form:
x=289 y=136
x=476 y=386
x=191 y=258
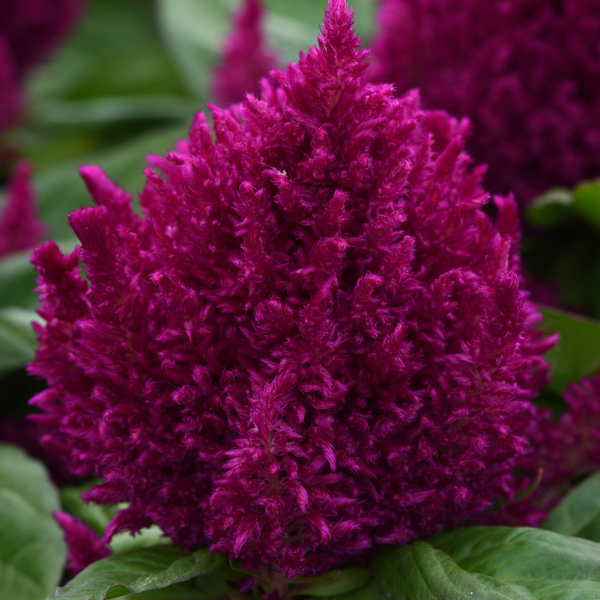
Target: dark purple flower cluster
x=313 y=343
x=562 y=452
x=246 y=60
x=29 y=31
x=19 y=227
x=85 y=547
x=525 y=72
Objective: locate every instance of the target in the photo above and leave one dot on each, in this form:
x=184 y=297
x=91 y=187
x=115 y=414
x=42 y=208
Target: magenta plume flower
x=313 y=343
x=20 y=228
x=29 y=31
x=563 y=451
x=525 y=72
x=246 y=59
x=85 y=547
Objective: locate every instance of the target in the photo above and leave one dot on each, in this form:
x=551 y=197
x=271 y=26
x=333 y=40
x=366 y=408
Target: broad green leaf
x=17 y=339
x=578 y=351
x=371 y=591
x=97 y=112
x=97 y=516
x=549 y=565
x=339 y=581
x=578 y=514
x=32 y=549
x=419 y=571
x=558 y=205
x=586 y=201
x=18 y=281
x=202 y=588
x=142 y=570
x=146 y=538
x=551 y=208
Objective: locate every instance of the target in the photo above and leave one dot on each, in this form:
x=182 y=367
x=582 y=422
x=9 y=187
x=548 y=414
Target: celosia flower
x=562 y=452
x=245 y=58
x=314 y=342
x=29 y=31
x=85 y=547
x=19 y=226
x=526 y=72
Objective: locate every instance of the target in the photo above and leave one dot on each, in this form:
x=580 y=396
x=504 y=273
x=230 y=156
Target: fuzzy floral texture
x=563 y=452
x=315 y=341
x=29 y=31
x=20 y=229
x=246 y=60
x=526 y=72
x=85 y=547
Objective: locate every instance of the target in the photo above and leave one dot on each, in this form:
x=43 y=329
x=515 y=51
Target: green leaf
x=146 y=538
x=558 y=205
x=339 y=581
x=549 y=565
x=203 y=588
x=371 y=591
x=32 y=549
x=142 y=570
x=18 y=281
x=551 y=209
x=491 y=563
x=17 y=338
x=578 y=514
x=586 y=202
x=419 y=571
x=577 y=353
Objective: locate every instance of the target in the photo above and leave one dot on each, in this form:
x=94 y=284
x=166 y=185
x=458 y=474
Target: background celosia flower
x=20 y=229
x=314 y=342
x=246 y=60
x=85 y=547
x=29 y=31
x=526 y=72
x=563 y=452
x=10 y=91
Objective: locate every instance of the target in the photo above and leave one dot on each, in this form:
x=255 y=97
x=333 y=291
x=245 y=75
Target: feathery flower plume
x=20 y=228
x=313 y=343
x=29 y=31
x=85 y=547
x=563 y=452
x=525 y=72
x=246 y=60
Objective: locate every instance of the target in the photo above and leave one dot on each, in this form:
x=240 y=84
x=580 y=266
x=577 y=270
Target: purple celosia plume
x=313 y=343
x=29 y=31
x=246 y=60
x=85 y=547
x=562 y=452
x=20 y=228
x=525 y=72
